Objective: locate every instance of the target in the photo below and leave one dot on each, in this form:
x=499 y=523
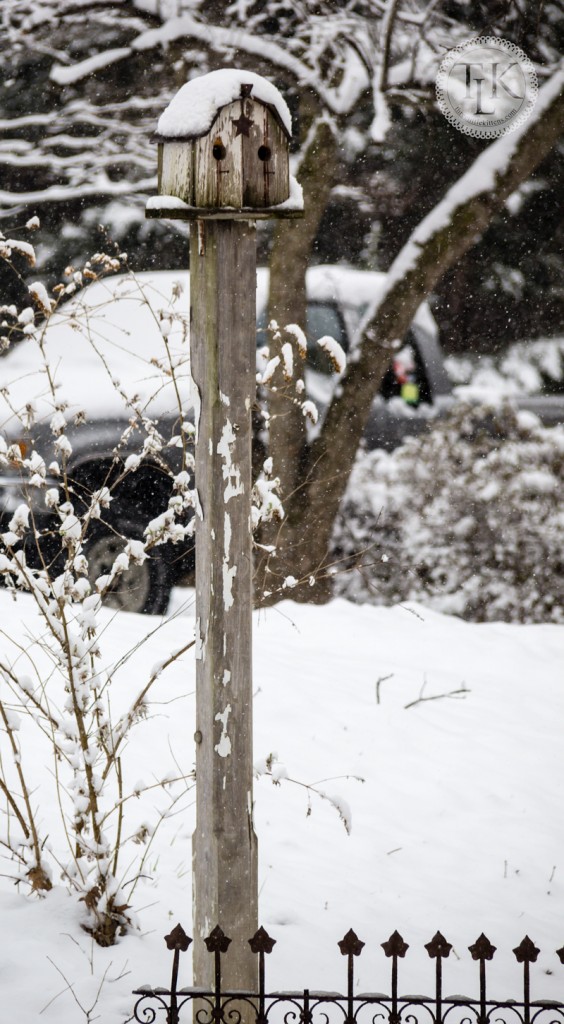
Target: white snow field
x=457 y=825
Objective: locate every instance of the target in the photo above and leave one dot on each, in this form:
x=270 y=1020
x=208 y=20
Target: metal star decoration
x=242 y=124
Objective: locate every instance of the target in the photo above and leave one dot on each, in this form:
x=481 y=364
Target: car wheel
x=141 y=588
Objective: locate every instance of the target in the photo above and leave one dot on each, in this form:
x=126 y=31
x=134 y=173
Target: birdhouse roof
x=193 y=110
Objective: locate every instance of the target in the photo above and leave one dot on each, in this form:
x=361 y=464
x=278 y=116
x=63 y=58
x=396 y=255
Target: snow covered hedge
x=524 y=368
x=467 y=518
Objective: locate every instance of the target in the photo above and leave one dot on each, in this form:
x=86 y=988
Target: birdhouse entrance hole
x=241 y=161
x=219 y=151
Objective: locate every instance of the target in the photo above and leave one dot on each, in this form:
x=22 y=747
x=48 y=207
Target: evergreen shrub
x=467 y=518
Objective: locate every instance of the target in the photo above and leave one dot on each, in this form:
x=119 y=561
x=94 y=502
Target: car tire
x=144 y=589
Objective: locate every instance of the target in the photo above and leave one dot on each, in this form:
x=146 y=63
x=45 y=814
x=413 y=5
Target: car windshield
x=104 y=347
x=323 y=319
x=132 y=331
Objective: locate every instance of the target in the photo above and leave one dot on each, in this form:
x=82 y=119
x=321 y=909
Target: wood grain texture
x=242 y=162
x=219 y=182
x=175 y=171
x=266 y=182
x=223 y=342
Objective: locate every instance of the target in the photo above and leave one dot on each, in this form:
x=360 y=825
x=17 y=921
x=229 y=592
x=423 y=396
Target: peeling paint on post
x=223 y=286
x=222 y=180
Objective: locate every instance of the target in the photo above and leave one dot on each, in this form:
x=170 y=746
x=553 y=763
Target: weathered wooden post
x=223 y=163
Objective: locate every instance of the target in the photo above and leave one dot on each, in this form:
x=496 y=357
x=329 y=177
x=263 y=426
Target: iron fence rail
x=218 y=1006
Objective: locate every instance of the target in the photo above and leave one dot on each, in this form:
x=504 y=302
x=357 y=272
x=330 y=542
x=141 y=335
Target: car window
x=405 y=377
x=323 y=318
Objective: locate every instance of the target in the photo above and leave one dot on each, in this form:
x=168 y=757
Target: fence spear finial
x=178 y=939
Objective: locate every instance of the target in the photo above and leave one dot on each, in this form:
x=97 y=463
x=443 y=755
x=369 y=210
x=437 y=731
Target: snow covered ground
x=457 y=825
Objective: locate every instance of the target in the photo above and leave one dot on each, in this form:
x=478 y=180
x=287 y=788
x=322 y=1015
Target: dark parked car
x=103 y=364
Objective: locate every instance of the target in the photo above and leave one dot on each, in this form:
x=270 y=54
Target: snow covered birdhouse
x=224 y=146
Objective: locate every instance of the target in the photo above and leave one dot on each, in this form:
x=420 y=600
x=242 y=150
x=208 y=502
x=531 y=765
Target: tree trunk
x=325 y=475
x=290 y=257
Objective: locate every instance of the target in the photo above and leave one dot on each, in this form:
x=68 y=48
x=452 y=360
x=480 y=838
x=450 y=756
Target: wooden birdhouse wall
x=218 y=163
x=241 y=162
x=266 y=175
x=175 y=176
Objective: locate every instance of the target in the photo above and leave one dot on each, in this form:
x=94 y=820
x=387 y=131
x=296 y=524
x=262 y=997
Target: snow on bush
x=526 y=367
x=98 y=844
x=467 y=518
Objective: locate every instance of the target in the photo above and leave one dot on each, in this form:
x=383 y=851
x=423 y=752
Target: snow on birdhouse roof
x=193 y=109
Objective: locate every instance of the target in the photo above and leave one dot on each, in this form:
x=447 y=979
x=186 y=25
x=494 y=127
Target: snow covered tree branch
x=78 y=134
x=437 y=243
x=75 y=139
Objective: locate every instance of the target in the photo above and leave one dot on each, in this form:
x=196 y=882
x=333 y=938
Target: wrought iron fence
x=217 y=1006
